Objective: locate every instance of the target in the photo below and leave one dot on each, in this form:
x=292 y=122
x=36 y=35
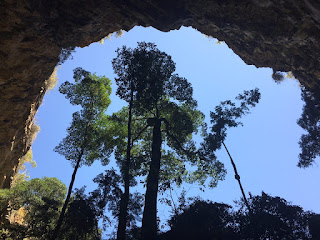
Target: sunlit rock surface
x=284 y=35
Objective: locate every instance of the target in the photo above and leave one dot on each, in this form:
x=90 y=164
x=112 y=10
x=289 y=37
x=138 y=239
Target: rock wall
x=282 y=34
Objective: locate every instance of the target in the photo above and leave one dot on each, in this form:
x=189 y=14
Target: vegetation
x=52 y=81
x=116 y=34
x=147 y=82
x=21 y=172
x=162 y=101
x=29 y=209
x=153 y=142
x=270 y=218
x=310 y=122
x=83 y=144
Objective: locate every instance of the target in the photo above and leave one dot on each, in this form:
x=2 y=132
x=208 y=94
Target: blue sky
x=265 y=149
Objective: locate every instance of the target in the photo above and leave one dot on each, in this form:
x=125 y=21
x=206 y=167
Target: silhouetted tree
x=310 y=122
x=81 y=218
x=84 y=142
x=108 y=196
x=272 y=218
x=202 y=220
x=277 y=76
x=125 y=65
x=225 y=116
x=147 y=82
x=314 y=225
x=155 y=84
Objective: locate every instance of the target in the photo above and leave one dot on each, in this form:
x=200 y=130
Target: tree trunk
x=149 y=220
x=121 y=234
x=66 y=202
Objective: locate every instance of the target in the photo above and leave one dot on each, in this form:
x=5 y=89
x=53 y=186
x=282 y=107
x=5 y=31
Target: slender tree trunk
x=66 y=202
x=149 y=220
x=237 y=177
x=121 y=234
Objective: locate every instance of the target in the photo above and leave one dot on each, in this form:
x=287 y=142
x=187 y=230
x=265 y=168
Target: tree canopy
x=271 y=218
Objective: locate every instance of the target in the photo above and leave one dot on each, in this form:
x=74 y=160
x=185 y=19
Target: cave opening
x=268 y=142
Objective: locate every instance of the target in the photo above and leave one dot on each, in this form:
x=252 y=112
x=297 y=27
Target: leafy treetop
x=92 y=94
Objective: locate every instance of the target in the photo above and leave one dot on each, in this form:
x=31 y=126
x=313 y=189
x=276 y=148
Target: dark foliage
x=271 y=218
x=202 y=220
x=65 y=54
x=107 y=197
x=277 y=76
x=81 y=218
x=226 y=115
x=310 y=121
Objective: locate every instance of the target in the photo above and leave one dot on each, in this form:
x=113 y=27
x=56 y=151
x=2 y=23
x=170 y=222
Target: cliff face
x=282 y=34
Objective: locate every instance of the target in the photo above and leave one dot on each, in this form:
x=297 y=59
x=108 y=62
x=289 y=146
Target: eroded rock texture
x=282 y=34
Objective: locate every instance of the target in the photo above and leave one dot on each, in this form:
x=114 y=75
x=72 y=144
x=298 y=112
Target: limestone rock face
x=282 y=34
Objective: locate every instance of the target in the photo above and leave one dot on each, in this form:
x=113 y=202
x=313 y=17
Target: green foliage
x=21 y=172
x=31 y=209
x=142 y=70
x=85 y=134
x=148 y=74
x=38 y=201
x=226 y=114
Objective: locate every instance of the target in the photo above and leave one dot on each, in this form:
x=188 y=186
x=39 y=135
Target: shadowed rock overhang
x=283 y=35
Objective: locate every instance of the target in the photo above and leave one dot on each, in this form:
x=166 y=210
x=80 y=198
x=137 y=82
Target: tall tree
x=156 y=86
x=147 y=81
x=152 y=70
x=125 y=67
x=226 y=115
x=143 y=75
x=84 y=142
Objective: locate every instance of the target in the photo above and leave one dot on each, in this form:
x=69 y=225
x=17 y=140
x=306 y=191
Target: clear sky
x=265 y=149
